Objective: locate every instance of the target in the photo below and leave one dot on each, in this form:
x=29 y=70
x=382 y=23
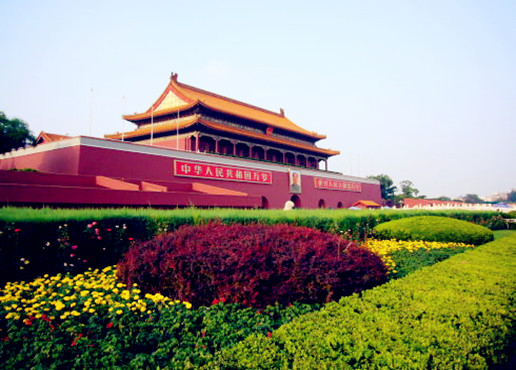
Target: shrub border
x=456 y=314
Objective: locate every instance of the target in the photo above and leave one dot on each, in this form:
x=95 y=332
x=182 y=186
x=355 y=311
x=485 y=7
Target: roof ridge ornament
x=282 y=112
x=173 y=76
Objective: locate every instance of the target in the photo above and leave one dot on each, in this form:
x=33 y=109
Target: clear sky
x=419 y=90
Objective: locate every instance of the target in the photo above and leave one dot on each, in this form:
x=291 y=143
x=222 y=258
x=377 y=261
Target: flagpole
x=152 y=125
x=123 y=122
x=91 y=111
x=177 y=131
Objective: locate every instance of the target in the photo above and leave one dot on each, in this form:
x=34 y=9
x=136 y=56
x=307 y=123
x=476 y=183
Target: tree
x=14 y=134
x=408 y=190
x=386 y=185
x=447 y=199
x=472 y=198
x=512 y=196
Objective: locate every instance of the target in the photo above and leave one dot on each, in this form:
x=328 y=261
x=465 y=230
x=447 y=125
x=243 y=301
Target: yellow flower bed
x=62 y=296
x=384 y=248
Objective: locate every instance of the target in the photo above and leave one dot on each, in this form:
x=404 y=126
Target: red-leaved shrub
x=256 y=265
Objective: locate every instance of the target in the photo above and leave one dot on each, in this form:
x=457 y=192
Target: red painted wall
x=151 y=167
x=59 y=160
x=157 y=165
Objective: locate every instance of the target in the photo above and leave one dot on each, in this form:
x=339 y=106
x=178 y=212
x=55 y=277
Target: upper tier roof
x=178 y=97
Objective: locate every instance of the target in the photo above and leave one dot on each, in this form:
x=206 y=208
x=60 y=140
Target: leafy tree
x=408 y=190
x=472 y=198
x=445 y=198
x=387 y=186
x=14 y=134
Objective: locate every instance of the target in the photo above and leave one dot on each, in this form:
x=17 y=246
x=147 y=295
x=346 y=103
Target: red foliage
x=256 y=265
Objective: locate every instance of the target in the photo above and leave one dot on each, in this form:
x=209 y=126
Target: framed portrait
x=294 y=181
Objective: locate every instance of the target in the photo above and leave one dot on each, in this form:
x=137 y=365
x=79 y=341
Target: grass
x=498 y=234
x=24 y=214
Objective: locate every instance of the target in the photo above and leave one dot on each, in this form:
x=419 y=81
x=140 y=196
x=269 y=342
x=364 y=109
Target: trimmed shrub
x=457 y=314
x=257 y=265
x=435 y=229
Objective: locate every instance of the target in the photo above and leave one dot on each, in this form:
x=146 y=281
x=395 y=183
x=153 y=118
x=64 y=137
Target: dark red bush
x=257 y=265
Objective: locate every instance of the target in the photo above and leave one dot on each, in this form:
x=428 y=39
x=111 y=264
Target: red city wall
x=137 y=164
x=58 y=160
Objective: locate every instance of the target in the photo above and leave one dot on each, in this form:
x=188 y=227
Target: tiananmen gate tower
x=190 y=148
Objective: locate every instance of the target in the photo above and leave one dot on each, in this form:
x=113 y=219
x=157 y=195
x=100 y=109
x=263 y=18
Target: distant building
x=495 y=197
x=363 y=204
x=45 y=137
x=426 y=203
x=190 y=148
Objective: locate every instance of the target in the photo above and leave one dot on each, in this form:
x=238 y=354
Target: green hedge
x=457 y=314
x=359 y=223
x=44 y=237
x=434 y=229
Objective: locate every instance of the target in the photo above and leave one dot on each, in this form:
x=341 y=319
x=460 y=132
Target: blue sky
x=419 y=90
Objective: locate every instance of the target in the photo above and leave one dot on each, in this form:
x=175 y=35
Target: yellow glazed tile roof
x=178 y=96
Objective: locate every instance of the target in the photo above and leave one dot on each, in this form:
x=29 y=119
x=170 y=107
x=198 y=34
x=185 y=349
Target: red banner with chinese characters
x=218 y=172
x=342 y=185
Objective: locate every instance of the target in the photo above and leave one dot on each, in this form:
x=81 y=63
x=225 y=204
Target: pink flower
x=84 y=261
x=72 y=255
x=94 y=223
x=17 y=230
x=74 y=247
x=90 y=226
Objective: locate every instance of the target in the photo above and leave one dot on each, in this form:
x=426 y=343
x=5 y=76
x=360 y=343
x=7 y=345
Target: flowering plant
x=403 y=257
x=91 y=320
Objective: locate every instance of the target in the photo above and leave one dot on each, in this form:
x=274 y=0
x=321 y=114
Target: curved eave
x=135 y=118
x=220 y=127
x=172 y=126
x=148 y=115
x=156 y=129
x=285 y=127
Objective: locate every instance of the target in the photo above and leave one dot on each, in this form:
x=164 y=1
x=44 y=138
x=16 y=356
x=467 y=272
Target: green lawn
x=503 y=233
